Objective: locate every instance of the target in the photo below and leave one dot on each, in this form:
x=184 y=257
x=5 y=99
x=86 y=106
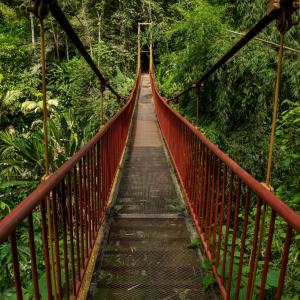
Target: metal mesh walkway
x=146 y=255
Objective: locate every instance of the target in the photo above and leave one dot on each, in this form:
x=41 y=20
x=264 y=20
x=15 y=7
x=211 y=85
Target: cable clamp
x=268 y=187
x=285 y=19
x=40 y=8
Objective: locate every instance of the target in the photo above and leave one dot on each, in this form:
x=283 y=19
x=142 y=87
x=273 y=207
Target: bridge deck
x=146 y=255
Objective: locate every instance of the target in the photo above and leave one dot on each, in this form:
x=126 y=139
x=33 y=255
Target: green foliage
x=236 y=106
x=33 y=107
x=208 y=278
x=271 y=283
x=200 y=25
x=195 y=244
x=190 y=36
x=288 y=139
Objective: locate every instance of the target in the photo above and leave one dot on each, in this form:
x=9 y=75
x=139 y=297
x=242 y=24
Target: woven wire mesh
x=147 y=257
x=147 y=186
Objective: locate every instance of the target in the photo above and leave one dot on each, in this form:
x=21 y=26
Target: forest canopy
x=189 y=36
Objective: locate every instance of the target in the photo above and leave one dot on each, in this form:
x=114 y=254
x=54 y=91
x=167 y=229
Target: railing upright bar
x=211 y=200
x=81 y=202
x=77 y=227
x=54 y=197
x=235 y=228
x=71 y=228
x=46 y=249
x=228 y=219
x=220 y=237
x=243 y=241
x=284 y=261
x=216 y=209
x=206 y=199
x=33 y=258
x=65 y=217
x=89 y=200
x=267 y=255
x=16 y=267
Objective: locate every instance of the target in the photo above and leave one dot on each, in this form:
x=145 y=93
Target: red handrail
x=79 y=191
x=217 y=190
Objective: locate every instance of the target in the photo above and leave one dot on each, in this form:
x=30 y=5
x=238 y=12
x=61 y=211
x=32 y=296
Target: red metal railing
x=79 y=191
x=221 y=196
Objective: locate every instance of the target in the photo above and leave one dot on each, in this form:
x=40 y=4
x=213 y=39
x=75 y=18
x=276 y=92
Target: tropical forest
x=233 y=108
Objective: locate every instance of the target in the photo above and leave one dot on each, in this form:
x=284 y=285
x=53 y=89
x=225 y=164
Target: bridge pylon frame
x=139 y=45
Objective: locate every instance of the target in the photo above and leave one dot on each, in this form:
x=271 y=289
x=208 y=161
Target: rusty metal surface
x=146 y=255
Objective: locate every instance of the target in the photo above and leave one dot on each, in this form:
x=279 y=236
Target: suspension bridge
x=118 y=216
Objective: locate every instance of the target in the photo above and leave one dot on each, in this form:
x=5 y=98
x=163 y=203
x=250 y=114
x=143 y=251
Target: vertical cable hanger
x=40 y=10
x=199 y=89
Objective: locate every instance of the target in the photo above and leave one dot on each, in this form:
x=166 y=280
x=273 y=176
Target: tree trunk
x=99 y=26
x=57 y=42
x=99 y=35
x=55 y=38
x=32 y=31
x=89 y=37
x=67 y=47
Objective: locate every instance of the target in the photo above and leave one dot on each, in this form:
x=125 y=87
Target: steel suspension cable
x=46 y=144
x=275 y=108
x=198 y=91
x=44 y=96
